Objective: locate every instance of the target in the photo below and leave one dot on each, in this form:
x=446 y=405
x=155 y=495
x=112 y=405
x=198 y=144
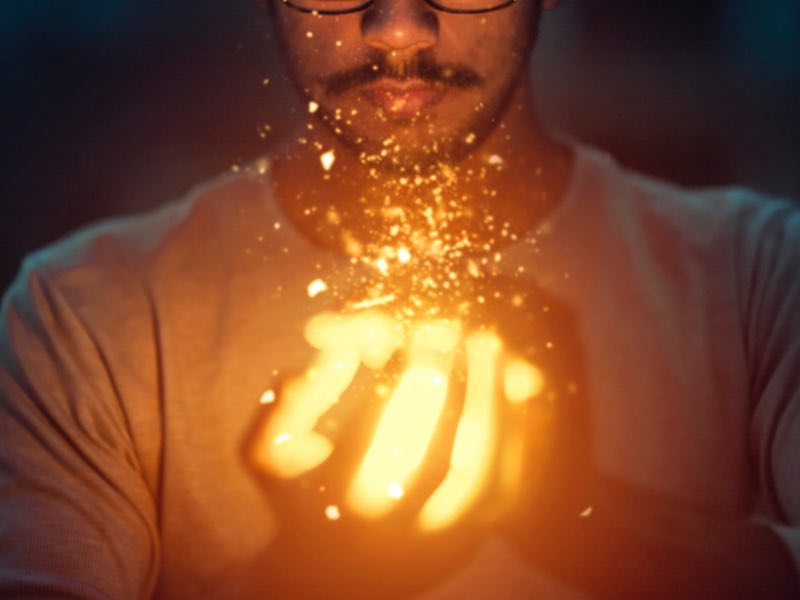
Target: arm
x=639 y=545
x=76 y=515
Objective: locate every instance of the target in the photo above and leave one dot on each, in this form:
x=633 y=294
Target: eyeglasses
x=343 y=7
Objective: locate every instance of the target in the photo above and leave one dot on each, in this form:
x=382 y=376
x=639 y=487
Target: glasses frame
x=366 y=4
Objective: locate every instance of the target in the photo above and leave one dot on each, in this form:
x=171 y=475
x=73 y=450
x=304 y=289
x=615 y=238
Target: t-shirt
x=135 y=354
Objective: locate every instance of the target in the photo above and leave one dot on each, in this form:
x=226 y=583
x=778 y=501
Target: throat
x=476 y=206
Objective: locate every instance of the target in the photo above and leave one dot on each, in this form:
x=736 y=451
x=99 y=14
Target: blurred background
x=115 y=106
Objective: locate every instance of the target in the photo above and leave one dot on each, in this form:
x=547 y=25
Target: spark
x=312 y=107
x=332 y=512
x=395 y=490
x=267 y=397
x=403 y=255
x=587 y=511
x=372 y=302
x=327 y=159
x=382 y=266
x=316 y=287
x=282 y=438
x=495 y=159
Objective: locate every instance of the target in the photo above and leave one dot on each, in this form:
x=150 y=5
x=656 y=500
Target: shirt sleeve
x=77 y=517
x=771 y=314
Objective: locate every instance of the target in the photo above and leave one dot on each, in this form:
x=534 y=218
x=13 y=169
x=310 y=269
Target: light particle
x=327 y=159
x=395 y=490
x=316 y=287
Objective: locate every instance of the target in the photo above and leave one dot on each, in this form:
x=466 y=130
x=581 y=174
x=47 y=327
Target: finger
x=366 y=402
x=436 y=465
x=252 y=446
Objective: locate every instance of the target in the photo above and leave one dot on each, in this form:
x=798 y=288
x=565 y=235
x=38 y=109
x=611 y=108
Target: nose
x=400 y=28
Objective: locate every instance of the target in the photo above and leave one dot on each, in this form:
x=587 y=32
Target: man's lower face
x=412 y=115
x=390 y=126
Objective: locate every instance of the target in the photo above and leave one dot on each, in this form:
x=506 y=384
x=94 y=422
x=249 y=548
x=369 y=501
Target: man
x=664 y=323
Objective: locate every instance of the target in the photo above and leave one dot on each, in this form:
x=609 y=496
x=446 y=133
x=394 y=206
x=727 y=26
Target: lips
x=403 y=99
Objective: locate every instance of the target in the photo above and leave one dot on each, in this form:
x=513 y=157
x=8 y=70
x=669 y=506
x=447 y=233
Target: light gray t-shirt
x=135 y=352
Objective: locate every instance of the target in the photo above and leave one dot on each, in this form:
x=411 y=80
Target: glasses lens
x=327 y=6
x=470 y=6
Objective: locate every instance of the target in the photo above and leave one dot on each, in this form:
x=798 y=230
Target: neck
x=505 y=186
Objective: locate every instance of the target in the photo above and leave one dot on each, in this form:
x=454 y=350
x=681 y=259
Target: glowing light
x=473 y=450
x=412 y=408
x=327 y=159
x=403 y=255
x=587 y=511
x=312 y=107
x=521 y=381
x=407 y=424
x=382 y=266
x=316 y=287
x=381 y=300
x=291 y=445
x=495 y=160
x=267 y=397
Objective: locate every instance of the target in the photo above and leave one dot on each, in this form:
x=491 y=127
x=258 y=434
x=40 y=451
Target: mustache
x=420 y=67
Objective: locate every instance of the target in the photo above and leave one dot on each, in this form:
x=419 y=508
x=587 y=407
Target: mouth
x=403 y=99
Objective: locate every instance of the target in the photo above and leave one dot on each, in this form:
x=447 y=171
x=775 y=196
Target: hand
x=308 y=446
x=331 y=551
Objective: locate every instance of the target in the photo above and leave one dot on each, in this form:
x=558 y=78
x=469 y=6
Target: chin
x=412 y=149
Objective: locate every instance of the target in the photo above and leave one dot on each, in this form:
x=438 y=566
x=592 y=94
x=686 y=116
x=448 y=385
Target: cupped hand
x=330 y=550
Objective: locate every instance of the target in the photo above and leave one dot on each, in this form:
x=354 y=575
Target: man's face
x=405 y=84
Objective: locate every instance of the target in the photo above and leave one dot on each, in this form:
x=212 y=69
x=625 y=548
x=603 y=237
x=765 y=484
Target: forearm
x=636 y=546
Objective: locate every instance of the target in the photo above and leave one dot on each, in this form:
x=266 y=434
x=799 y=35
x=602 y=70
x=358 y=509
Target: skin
x=490 y=115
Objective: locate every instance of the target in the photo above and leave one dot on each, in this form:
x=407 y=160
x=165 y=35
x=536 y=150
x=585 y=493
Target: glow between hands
x=497 y=384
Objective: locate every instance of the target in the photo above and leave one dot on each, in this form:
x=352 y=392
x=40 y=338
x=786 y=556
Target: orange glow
x=291 y=445
x=521 y=381
x=408 y=422
x=476 y=438
x=495 y=382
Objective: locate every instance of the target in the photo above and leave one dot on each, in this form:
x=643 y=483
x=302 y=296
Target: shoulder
x=130 y=244
x=105 y=271
x=133 y=238
x=699 y=217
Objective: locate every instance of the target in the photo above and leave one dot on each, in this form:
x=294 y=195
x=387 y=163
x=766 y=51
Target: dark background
x=115 y=106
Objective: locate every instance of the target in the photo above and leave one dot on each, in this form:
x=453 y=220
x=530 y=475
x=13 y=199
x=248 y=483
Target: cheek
x=317 y=45
x=492 y=44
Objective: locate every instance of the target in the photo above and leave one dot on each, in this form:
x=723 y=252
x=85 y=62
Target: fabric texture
x=134 y=354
